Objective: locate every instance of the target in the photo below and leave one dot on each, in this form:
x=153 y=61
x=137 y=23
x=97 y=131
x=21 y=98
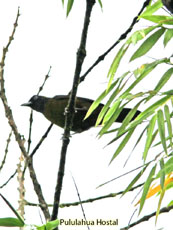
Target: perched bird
x=54 y=110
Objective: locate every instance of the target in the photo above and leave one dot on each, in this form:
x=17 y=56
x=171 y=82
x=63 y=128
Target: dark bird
x=54 y=110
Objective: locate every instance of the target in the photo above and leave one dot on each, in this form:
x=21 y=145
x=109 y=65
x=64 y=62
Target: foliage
x=158 y=114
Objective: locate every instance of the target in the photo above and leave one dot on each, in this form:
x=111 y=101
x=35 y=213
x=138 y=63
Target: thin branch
x=122 y=37
x=80 y=201
x=9 y=116
x=31 y=114
x=71 y=108
x=90 y=200
x=6 y=151
x=147 y=217
x=11 y=177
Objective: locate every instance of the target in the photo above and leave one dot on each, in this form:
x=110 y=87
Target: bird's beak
x=27 y=104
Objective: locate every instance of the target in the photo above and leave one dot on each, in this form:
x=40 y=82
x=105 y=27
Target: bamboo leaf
x=137 y=177
x=69 y=6
x=166 y=76
x=169 y=125
x=122 y=144
x=146 y=187
x=149 y=136
x=128 y=118
x=115 y=63
x=11 y=222
x=150 y=9
x=162 y=174
x=100 y=3
x=159 y=19
x=96 y=103
x=148 y=44
x=168 y=168
x=168 y=36
x=159 y=204
x=161 y=128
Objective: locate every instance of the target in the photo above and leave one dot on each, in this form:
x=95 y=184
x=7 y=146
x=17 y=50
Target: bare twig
x=80 y=201
x=31 y=114
x=11 y=177
x=9 y=116
x=71 y=108
x=147 y=217
x=122 y=37
x=90 y=200
x=6 y=151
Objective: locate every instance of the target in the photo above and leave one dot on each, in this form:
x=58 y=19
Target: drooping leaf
x=117 y=90
x=168 y=168
x=166 y=76
x=168 y=36
x=122 y=144
x=137 y=177
x=146 y=187
x=115 y=63
x=148 y=44
x=69 y=6
x=169 y=125
x=149 y=136
x=100 y=3
x=96 y=103
x=162 y=174
x=161 y=128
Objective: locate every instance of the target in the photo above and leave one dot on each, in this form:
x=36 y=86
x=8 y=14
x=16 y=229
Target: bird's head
x=36 y=102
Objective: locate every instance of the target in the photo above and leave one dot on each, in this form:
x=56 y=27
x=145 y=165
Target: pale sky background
x=46 y=37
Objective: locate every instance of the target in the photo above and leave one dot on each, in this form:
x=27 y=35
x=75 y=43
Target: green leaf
x=11 y=222
x=161 y=128
x=159 y=19
x=111 y=116
x=69 y=6
x=146 y=69
x=146 y=187
x=162 y=174
x=49 y=225
x=100 y=2
x=96 y=103
x=159 y=204
x=128 y=118
x=137 y=177
x=168 y=36
x=122 y=144
x=150 y=9
x=168 y=168
x=169 y=125
x=115 y=63
x=148 y=44
x=166 y=76
x=149 y=136
x=140 y=34
x=14 y=211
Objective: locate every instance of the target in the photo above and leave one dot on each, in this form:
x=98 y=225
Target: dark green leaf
x=149 y=136
x=146 y=187
x=11 y=222
x=169 y=125
x=166 y=76
x=100 y=2
x=161 y=128
x=168 y=168
x=137 y=177
x=168 y=36
x=148 y=44
x=96 y=103
x=162 y=174
x=122 y=144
